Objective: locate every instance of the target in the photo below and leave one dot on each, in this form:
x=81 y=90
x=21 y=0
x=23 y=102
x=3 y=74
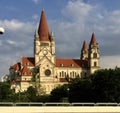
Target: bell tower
x=44 y=53
x=93 y=56
x=44 y=45
x=84 y=51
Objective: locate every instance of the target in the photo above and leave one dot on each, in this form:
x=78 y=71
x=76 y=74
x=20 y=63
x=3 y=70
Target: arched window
x=94 y=55
x=60 y=75
x=95 y=64
x=73 y=74
x=63 y=74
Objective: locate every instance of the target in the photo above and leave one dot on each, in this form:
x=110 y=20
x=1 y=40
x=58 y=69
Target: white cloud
x=12 y=25
x=35 y=17
x=16 y=25
x=77 y=10
x=17 y=41
x=110 y=61
x=37 y=1
x=11 y=42
x=83 y=19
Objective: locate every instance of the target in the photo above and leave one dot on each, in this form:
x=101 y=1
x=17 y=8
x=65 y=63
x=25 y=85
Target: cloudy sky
x=72 y=22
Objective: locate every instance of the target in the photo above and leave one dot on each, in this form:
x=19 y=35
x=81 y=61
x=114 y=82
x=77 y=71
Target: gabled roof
x=77 y=63
x=43 y=30
x=29 y=61
x=16 y=66
x=93 y=39
x=25 y=71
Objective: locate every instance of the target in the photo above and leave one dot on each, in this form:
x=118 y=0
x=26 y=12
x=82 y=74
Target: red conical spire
x=84 y=45
x=93 y=39
x=43 y=30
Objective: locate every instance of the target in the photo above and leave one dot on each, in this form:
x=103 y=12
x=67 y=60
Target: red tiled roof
x=25 y=71
x=43 y=30
x=16 y=66
x=71 y=63
x=29 y=61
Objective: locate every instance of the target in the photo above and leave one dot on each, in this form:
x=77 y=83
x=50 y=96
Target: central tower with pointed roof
x=44 y=53
x=49 y=71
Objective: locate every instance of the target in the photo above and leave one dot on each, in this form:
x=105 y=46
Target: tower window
x=44 y=44
x=62 y=65
x=95 y=64
x=95 y=55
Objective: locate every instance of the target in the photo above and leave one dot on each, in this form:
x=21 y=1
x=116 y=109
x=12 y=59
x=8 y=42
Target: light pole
x=2 y=30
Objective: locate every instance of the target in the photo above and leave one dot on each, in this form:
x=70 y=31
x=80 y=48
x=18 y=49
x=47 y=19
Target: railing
x=56 y=104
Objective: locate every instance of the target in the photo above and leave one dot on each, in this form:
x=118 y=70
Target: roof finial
x=42 y=9
x=52 y=34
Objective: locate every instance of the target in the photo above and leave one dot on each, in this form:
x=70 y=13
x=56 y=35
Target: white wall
x=59 y=109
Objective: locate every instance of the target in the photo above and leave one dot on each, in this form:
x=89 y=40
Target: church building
x=45 y=70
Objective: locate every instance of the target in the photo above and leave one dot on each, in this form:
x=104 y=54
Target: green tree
x=59 y=93
x=106 y=84
x=31 y=94
x=43 y=98
x=6 y=93
x=102 y=86
x=81 y=90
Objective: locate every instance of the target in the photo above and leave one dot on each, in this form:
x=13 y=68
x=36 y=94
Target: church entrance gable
x=46 y=70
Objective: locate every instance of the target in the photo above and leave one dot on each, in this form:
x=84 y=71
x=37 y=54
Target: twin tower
x=52 y=71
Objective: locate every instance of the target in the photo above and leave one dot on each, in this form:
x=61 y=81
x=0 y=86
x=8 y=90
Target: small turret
x=36 y=35
x=52 y=36
x=52 y=43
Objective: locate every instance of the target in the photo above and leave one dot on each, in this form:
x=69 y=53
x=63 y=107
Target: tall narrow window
x=60 y=75
x=63 y=75
x=94 y=55
x=73 y=74
x=95 y=64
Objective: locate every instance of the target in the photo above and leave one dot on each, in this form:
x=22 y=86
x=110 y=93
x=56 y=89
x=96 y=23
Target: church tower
x=84 y=51
x=94 y=56
x=44 y=45
x=44 y=52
